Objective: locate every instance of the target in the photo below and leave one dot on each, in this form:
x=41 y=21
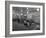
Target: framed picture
x=24 y=18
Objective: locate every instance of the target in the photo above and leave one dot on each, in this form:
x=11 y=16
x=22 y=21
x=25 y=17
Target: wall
x=2 y=19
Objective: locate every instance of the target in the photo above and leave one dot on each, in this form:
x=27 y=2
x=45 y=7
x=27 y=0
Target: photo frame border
x=7 y=17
